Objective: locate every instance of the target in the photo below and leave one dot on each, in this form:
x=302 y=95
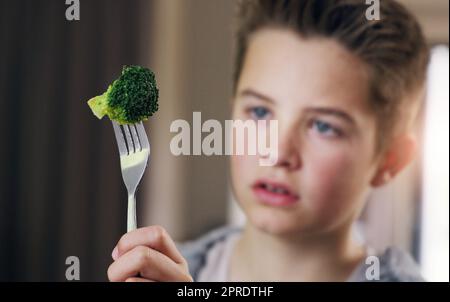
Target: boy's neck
x=259 y=256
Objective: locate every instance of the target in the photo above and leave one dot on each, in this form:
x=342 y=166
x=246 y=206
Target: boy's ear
x=400 y=153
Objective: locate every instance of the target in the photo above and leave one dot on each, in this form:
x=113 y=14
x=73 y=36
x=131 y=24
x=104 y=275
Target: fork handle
x=131 y=221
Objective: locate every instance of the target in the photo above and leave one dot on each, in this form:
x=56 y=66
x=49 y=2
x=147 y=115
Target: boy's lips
x=274 y=193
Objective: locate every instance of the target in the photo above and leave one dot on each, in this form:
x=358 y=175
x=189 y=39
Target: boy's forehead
x=291 y=68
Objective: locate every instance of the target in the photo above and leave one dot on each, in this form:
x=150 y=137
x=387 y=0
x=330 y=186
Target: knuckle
x=121 y=247
x=122 y=244
x=158 y=233
x=143 y=255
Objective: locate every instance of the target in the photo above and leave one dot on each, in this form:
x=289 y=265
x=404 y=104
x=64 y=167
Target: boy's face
x=318 y=92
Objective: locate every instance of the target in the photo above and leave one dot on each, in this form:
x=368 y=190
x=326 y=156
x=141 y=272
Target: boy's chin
x=276 y=225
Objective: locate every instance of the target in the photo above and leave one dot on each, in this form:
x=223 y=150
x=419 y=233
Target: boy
x=345 y=92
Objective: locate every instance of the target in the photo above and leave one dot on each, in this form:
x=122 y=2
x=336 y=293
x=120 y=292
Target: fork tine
x=142 y=136
x=119 y=138
x=129 y=140
x=135 y=136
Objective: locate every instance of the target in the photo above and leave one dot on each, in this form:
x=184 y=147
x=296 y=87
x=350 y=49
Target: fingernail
x=115 y=253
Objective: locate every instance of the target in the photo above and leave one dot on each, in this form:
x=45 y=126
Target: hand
x=147 y=254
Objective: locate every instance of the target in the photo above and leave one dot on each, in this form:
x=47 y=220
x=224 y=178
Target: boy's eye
x=259 y=112
x=326 y=129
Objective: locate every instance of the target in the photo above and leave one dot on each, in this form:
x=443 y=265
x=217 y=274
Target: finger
x=154 y=237
x=136 y=279
x=146 y=263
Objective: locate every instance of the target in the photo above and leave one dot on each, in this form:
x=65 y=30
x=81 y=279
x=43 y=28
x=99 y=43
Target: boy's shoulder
x=392 y=265
x=196 y=251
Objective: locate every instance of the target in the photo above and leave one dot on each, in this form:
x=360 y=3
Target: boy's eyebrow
x=255 y=94
x=332 y=111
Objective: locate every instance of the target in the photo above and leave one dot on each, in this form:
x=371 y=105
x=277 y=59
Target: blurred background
x=61 y=191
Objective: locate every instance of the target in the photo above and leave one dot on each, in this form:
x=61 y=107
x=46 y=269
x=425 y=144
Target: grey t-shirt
x=208 y=260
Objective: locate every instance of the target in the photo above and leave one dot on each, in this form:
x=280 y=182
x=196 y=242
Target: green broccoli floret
x=130 y=99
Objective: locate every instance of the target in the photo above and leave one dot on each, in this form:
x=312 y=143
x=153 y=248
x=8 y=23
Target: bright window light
x=435 y=207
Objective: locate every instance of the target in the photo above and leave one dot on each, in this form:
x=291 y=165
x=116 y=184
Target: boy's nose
x=288 y=153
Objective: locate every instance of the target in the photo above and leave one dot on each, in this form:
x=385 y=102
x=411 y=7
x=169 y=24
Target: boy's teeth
x=281 y=191
x=274 y=189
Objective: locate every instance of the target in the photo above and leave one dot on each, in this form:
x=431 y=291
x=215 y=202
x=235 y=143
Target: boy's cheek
x=244 y=162
x=244 y=170
x=329 y=181
x=331 y=185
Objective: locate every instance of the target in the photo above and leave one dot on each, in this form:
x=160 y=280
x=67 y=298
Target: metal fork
x=134 y=150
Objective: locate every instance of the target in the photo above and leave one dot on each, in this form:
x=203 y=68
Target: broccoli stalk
x=130 y=99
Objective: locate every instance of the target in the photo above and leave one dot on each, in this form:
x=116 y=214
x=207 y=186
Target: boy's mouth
x=274 y=193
